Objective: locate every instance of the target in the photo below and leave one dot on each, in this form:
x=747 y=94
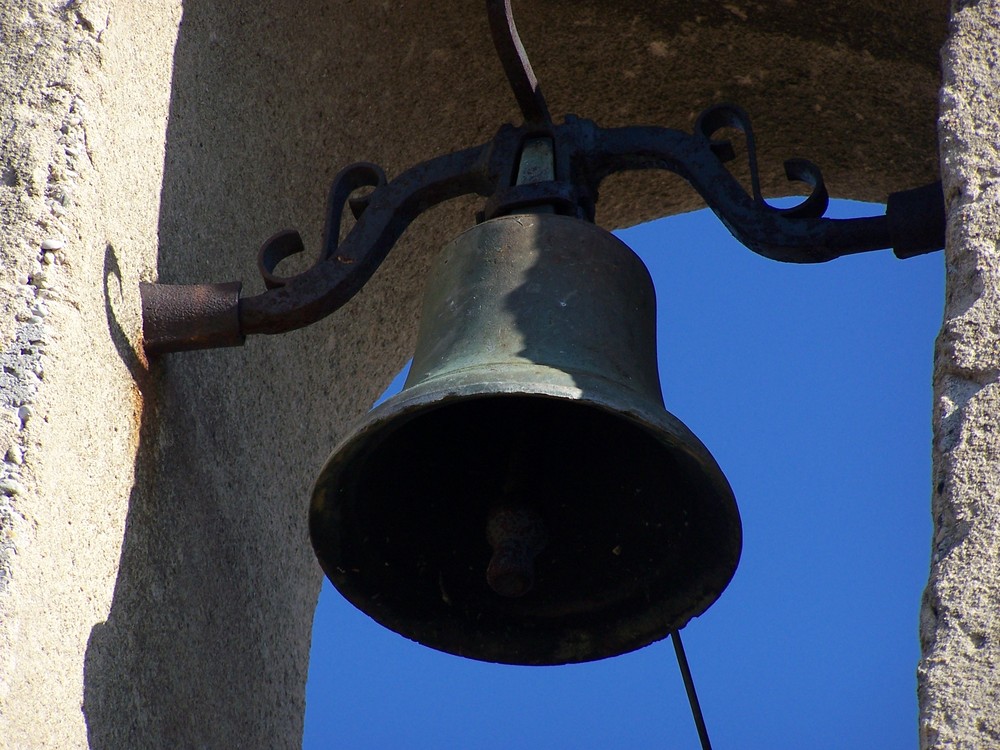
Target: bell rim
x=533 y=381
x=646 y=414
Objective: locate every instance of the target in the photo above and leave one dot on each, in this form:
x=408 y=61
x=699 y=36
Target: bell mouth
x=642 y=530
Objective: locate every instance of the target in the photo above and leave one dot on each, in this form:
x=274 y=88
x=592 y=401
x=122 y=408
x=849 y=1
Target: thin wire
x=682 y=662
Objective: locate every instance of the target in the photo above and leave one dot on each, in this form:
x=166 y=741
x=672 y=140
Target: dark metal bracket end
x=917 y=220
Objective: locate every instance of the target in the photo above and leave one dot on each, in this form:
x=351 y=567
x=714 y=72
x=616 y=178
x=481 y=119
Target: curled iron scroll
x=287 y=243
x=721 y=116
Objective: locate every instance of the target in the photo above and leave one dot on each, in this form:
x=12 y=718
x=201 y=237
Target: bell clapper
x=517 y=534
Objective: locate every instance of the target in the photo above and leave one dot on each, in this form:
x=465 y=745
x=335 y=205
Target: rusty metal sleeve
x=177 y=318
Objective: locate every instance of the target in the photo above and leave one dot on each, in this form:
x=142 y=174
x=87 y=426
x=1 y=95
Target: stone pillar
x=959 y=683
x=81 y=165
x=156 y=579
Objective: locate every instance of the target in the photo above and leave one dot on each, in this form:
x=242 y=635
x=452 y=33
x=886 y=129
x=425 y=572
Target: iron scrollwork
x=177 y=318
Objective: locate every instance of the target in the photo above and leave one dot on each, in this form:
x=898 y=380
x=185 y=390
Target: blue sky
x=811 y=386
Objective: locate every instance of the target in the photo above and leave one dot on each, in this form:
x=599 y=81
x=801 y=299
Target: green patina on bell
x=526 y=498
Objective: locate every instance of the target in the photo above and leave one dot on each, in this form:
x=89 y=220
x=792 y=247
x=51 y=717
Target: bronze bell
x=526 y=499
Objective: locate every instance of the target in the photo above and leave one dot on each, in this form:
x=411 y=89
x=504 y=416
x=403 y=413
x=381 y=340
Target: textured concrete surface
x=959 y=684
x=156 y=581
x=80 y=178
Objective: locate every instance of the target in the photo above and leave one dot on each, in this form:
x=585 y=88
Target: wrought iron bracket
x=184 y=317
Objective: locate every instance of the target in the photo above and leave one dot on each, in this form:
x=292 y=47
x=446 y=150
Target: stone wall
x=156 y=580
x=82 y=115
x=960 y=617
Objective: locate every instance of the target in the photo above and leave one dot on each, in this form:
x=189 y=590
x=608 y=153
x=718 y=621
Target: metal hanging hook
x=516 y=64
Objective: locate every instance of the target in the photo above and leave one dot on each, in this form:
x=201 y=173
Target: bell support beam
x=170 y=319
x=185 y=317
